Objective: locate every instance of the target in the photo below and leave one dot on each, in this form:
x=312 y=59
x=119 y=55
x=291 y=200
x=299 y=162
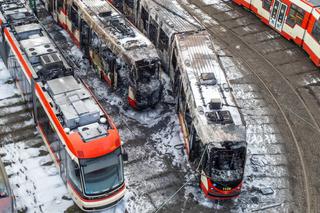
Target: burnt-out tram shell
x=120 y=53
x=212 y=124
x=81 y=137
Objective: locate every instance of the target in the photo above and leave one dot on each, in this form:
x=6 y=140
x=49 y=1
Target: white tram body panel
x=310 y=43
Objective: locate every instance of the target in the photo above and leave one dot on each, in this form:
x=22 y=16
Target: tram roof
x=172 y=16
x=116 y=31
x=209 y=89
x=74 y=111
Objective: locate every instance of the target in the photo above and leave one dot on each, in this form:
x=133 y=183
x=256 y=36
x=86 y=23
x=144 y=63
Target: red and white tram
x=296 y=20
x=81 y=137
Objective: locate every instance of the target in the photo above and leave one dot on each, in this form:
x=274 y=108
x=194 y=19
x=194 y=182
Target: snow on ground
x=37 y=187
x=169 y=142
x=33 y=177
x=6 y=89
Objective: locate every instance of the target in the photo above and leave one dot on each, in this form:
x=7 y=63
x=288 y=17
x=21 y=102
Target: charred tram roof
x=123 y=38
x=215 y=112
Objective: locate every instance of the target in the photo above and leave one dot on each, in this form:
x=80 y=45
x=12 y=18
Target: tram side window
x=295 y=16
x=266 y=4
x=59 y=4
x=74 y=173
x=129 y=3
x=50 y=133
x=74 y=16
x=163 y=40
x=174 y=61
x=153 y=31
x=144 y=17
x=316 y=31
x=18 y=75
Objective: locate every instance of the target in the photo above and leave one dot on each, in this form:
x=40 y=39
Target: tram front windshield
x=225 y=164
x=148 y=73
x=102 y=174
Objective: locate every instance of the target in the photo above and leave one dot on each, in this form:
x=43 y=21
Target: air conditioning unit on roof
x=52 y=60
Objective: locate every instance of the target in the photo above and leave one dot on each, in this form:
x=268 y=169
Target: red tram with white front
x=80 y=136
x=296 y=20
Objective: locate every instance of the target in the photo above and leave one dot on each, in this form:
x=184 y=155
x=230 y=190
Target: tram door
x=278 y=14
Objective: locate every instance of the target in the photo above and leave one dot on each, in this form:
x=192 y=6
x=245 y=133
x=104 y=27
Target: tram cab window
x=73 y=15
x=144 y=17
x=129 y=3
x=147 y=73
x=74 y=173
x=163 y=40
x=266 y=4
x=316 y=31
x=295 y=16
x=59 y=4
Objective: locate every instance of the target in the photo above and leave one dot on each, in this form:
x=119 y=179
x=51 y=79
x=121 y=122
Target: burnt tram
x=212 y=124
x=121 y=54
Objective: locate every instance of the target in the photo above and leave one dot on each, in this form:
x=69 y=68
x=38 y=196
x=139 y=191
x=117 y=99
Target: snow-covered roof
x=117 y=32
x=209 y=95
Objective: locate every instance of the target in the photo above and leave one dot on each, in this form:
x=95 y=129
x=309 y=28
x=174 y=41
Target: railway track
x=267 y=56
x=157 y=166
